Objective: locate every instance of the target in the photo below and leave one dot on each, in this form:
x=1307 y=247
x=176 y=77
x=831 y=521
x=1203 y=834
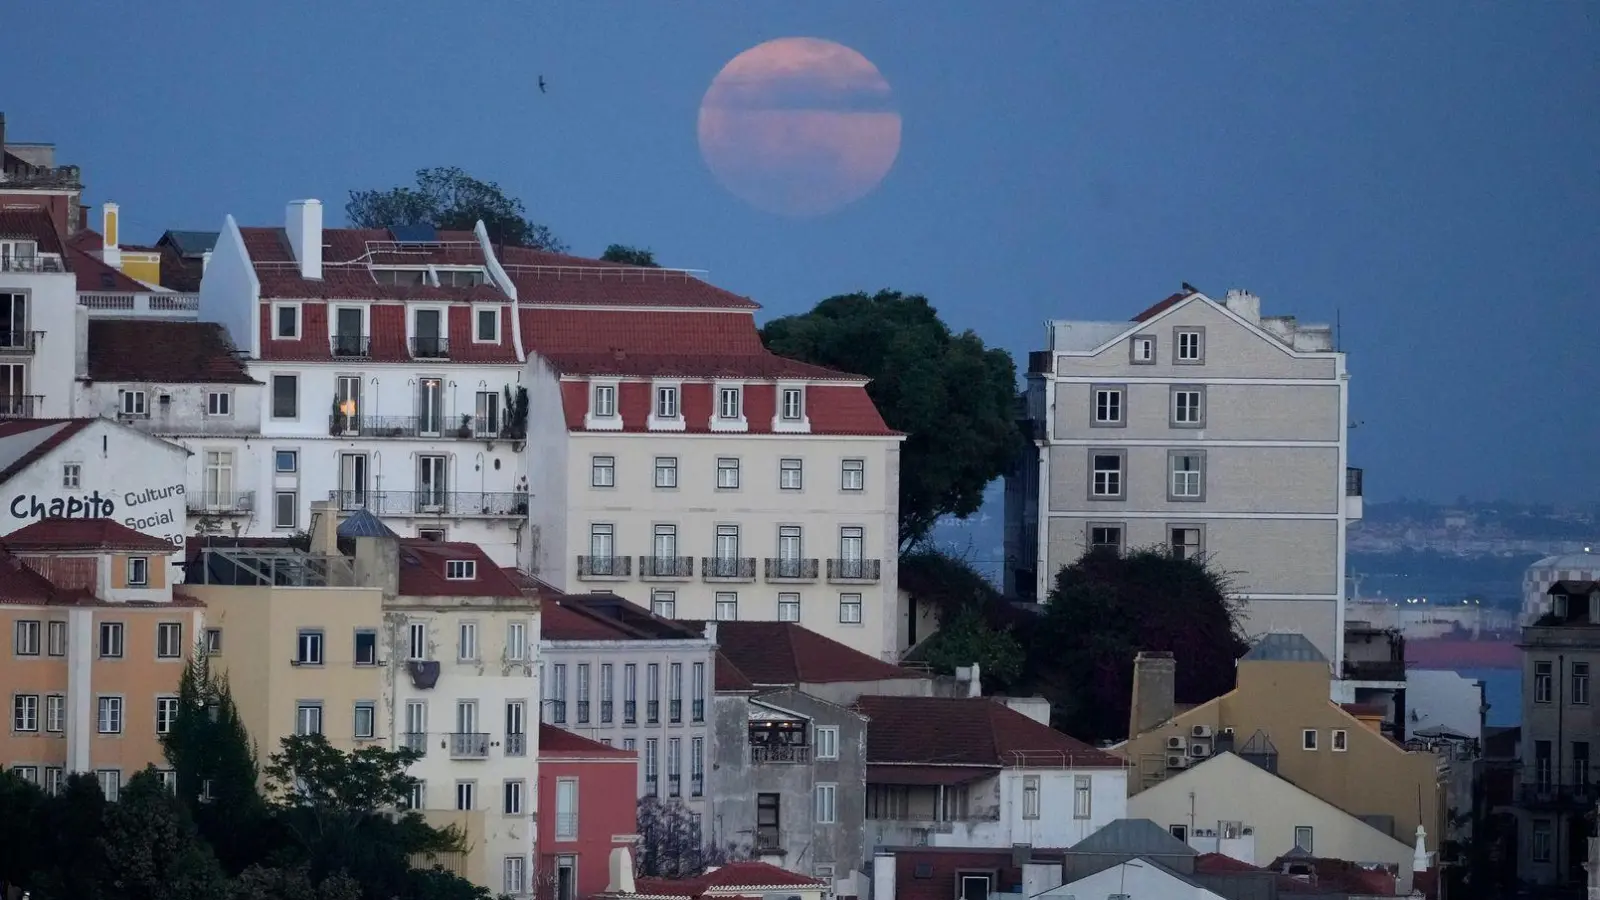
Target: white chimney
x=972 y=678
x=1244 y=304
x=711 y=631
x=205 y=262
x=1419 y=857
x=883 y=876
x=621 y=881
x=304 y=225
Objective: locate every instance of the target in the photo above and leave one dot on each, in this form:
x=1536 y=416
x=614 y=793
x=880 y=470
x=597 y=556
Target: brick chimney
x=1155 y=678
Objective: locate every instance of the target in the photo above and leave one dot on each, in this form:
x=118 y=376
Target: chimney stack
x=621 y=876
x=1155 y=678
x=110 y=232
x=304 y=226
x=883 y=886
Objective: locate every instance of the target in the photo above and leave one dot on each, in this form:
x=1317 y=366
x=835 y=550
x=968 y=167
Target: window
x=169 y=640
x=467 y=641
x=308 y=718
x=1341 y=740
x=664 y=604
x=605 y=401
x=793 y=409
x=666 y=471
x=56 y=639
x=1181 y=832
x=727 y=474
x=486 y=421
x=1191 y=344
x=365 y=720
x=1580 y=683
x=28 y=637
x=789 y=474
x=466 y=795
x=1188 y=407
x=1302 y=837
x=1082 y=798
x=1543 y=834
x=488 y=330
x=110 y=717
x=827 y=804
x=133 y=403
x=827 y=738
x=308 y=648
x=583 y=693
x=1185 y=541
x=517 y=641
x=1142 y=351
x=432 y=534
x=603 y=472
x=853 y=475
x=54 y=778
x=1543 y=763
x=138 y=571
x=219 y=403
x=1188 y=475
x=366 y=647
x=286 y=462
x=168 y=778
x=110 y=640
x=729 y=405
x=1108 y=406
x=514 y=880
x=1030 y=796
x=697 y=767
x=666 y=402
x=727 y=606
x=25 y=712
x=72 y=476
x=674 y=767
x=416 y=798
x=651 y=773
x=566 y=808
x=1543 y=682
x=1105 y=537
x=630 y=693
x=110 y=783
x=55 y=713
x=286 y=321
x=699 y=687
x=1308 y=739
x=1105 y=474
x=850 y=609
x=166 y=714
x=460 y=569
x=607 y=677
x=213 y=641
x=285 y=509
x=652 y=710
x=557 y=690
x=788 y=607
x=285 y=396
x=511 y=797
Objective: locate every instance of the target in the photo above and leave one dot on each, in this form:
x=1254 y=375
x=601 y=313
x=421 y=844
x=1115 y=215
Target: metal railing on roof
x=43 y=262
x=269 y=566
x=604 y=272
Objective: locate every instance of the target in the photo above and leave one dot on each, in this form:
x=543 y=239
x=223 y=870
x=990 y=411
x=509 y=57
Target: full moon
x=799 y=126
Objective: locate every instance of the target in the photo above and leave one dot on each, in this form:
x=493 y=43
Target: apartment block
x=1205 y=429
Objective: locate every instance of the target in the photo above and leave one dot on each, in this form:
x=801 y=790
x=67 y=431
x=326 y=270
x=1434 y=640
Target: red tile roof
x=1221 y=864
x=96 y=276
x=969 y=731
x=785 y=653
x=21 y=584
x=728 y=679
x=386 y=336
x=1163 y=306
x=608 y=617
x=164 y=351
x=831 y=409
x=64 y=535
x=52 y=433
x=34 y=224
x=422 y=571
x=929 y=874
x=554 y=279
x=880 y=773
x=555 y=741
x=743 y=874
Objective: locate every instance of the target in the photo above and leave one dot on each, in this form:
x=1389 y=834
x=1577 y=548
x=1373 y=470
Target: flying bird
x=541 y=84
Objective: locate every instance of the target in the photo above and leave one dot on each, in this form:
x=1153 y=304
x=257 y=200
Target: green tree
x=215 y=762
x=1104 y=609
x=152 y=849
x=673 y=845
x=262 y=883
x=21 y=843
x=72 y=862
x=953 y=397
x=975 y=624
x=448 y=198
x=633 y=256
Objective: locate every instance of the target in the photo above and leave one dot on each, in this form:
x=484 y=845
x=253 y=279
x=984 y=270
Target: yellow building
x=1279 y=717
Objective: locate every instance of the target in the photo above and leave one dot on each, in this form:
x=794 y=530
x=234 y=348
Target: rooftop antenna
x=1338 y=330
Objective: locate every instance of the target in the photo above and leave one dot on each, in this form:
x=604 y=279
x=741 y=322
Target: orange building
x=98 y=645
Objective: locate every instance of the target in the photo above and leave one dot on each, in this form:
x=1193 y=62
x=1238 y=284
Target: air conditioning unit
x=1177 y=762
x=1248 y=831
x=244 y=502
x=1200 y=731
x=1176 y=743
x=1199 y=751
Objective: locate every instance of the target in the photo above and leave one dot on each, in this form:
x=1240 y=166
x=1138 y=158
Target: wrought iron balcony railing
x=652 y=711
x=469 y=746
x=674 y=786
x=341 y=425
x=20 y=406
x=699 y=710
x=605 y=566
x=583 y=712
x=1557 y=796
x=650 y=785
x=430 y=348
x=221 y=503
x=728 y=568
x=415 y=740
x=674 y=711
x=558 y=711
x=666 y=567
x=630 y=712
x=516 y=745
x=768 y=837
x=785 y=568
x=19 y=343
x=764 y=754
x=853 y=569
x=352 y=346
x=484 y=504
x=697 y=784
x=605 y=710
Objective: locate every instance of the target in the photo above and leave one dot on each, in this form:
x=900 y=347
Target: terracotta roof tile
x=600 y=617
x=386 y=336
x=422 y=571
x=34 y=224
x=83 y=534
x=969 y=731
x=1221 y=864
x=561 y=742
x=95 y=276
x=832 y=409
x=52 y=433
x=157 y=350
x=21 y=584
x=1163 y=306
x=742 y=874
x=554 y=279
x=785 y=653
x=728 y=679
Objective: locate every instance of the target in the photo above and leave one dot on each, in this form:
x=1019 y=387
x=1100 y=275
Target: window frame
x=799 y=470
x=272 y=396
x=826 y=740
x=827 y=803
x=1543 y=682
x=110 y=712
x=278 y=523
x=53 y=629
x=853 y=464
x=725 y=393
x=495 y=314
x=1133 y=349
x=1339 y=740
x=1089 y=543
x=1197 y=551
x=665 y=465
x=134 y=403
x=72 y=476
x=1310 y=842
x=1199 y=334
x=118 y=641
x=513 y=796
x=786 y=604
x=309 y=717
x=1117 y=395
x=1309 y=739
x=799 y=394
x=1121 y=456
x=730 y=599
x=307 y=640
x=371 y=709
x=1196 y=411
x=277 y=461
x=1082 y=797
x=278 y=309
x=1199 y=473
x=24 y=628
x=20 y=713
x=666 y=401
x=603 y=400
x=222 y=410
x=857 y=603
x=461 y=570
x=166 y=713
x=1580 y=684
x=603 y=463
x=163 y=651
x=726 y=464
x=1031 y=791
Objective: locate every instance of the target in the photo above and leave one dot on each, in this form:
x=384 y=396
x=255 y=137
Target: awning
x=888 y=773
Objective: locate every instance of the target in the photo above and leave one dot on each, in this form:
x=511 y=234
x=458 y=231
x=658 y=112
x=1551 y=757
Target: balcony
x=699 y=710
x=220 y=503
x=666 y=568
x=469 y=746
x=768 y=839
x=780 y=754
x=1353 y=501
x=157 y=305
x=604 y=568
x=675 y=711
x=853 y=571
x=727 y=568
x=516 y=745
x=43 y=177
x=429 y=427
x=651 y=785
x=558 y=711
x=605 y=710
x=1375 y=670
x=33 y=263
x=790 y=569
x=430 y=348
x=630 y=712
x=352 y=346
x=1553 y=797
x=458 y=504
x=19 y=343
x=19 y=406
x=697 y=785
x=652 y=712
x=416 y=741
x=583 y=712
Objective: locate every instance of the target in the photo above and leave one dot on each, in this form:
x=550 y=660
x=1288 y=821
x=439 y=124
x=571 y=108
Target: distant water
x=1503 y=689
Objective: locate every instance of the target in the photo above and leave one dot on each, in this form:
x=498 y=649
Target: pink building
x=587 y=805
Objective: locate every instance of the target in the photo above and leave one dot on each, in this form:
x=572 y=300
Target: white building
x=38 y=322
x=1204 y=428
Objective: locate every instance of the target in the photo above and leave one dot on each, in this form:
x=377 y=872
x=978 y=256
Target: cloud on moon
x=799 y=126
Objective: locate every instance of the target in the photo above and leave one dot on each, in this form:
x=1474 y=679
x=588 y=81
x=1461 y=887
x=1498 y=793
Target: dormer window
x=605 y=401
x=461 y=569
x=486 y=325
x=729 y=405
x=666 y=401
x=790 y=416
x=793 y=404
x=1558 y=605
x=286 y=321
x=138 y=571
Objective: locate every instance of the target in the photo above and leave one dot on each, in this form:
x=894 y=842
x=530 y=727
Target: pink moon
x=799 y=127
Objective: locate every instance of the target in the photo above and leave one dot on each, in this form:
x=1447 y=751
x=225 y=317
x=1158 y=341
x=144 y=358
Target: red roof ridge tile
x=1164 y=305
x=66 y=535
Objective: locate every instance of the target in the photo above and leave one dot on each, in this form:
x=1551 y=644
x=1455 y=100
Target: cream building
x=1204 y=428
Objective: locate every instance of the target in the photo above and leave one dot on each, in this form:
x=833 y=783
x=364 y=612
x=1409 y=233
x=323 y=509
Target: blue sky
x=1426 y=172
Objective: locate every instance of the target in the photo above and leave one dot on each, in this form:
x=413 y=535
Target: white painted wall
x=230 y=292
x=1056 y=826
x=1134 y=879
x=548 y=455
x=52 y=308
x=185 y=411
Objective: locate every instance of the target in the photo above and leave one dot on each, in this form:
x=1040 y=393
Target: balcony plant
x=335 y=419
x=465 y=431
x=516 y=415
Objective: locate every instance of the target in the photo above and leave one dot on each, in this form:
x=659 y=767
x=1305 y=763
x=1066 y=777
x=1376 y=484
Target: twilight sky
x=1427 y=171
